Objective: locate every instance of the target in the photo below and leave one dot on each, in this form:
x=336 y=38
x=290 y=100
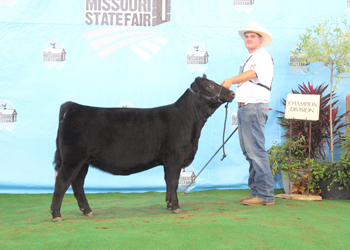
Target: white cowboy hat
x=254 y=27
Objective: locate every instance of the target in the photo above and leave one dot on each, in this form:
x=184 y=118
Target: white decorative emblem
x=197 y=55
x=243 y=5
x=54 y=54
x=298 y=63
x=10 y=3
x=145 y=42
x=8 y=115
x=186 y=178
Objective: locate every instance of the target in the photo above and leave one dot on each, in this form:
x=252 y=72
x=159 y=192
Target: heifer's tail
x=64 y=107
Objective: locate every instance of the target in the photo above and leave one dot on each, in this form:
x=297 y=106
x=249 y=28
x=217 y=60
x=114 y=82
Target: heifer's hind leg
x=78 y=189
x=65 y=175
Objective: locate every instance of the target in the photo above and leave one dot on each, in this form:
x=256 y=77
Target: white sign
x=302 y=107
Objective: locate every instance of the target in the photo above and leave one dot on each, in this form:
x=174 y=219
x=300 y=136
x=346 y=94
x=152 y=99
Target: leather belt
x=240 y=104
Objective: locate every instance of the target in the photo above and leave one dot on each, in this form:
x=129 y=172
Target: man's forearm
x=245 y=76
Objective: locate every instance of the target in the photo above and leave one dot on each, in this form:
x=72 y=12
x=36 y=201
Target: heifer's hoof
x=177 y=211
x=57 y=219
x=168 y=205
x=90 y=214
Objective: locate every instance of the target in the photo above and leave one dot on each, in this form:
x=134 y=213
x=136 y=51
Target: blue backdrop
x=135 y=53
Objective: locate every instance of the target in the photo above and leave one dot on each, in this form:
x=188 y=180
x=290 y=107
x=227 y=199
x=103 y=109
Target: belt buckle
x=240 y=104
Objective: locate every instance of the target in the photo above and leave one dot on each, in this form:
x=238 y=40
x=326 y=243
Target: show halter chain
x=215 y=98
x=223 y=135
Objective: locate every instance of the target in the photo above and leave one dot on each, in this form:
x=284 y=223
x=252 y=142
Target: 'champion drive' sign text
x=127 y=12
x=302 y=107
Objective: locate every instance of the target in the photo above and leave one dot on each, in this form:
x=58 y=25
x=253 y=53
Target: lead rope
x=192 y=181
x=223 y=135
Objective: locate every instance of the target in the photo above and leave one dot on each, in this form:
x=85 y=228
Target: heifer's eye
x=209 y=86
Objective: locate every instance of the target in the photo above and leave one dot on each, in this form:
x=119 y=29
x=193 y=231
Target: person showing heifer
x=253 y=97
x=124 y=141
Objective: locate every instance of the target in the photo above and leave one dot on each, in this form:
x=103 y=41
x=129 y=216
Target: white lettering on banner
x=127 y=12
x=116 y=5
x=243 y=2
x=110 y=18
x=243 y=5
x=302 y=107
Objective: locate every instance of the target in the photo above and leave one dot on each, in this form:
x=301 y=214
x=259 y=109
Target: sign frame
x=303 y=107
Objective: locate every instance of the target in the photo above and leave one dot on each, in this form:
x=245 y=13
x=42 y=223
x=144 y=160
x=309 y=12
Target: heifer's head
x=209 y=90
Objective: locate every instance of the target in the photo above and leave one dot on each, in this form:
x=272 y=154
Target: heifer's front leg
x=168 y=195
x=78 y=189
x=172 y=181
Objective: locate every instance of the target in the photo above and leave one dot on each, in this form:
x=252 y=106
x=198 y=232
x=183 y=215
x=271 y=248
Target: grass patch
x=211 y=220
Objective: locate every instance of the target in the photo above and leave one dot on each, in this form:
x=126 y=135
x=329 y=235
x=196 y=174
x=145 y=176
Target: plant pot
x=334 y=192
x=285 y=181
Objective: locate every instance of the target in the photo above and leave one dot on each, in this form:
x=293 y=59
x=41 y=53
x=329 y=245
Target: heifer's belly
x=118 y=168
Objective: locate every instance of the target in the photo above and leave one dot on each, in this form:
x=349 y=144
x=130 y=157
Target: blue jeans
x=251 y=126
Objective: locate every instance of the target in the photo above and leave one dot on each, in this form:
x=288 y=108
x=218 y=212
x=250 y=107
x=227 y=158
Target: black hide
x=124 y=141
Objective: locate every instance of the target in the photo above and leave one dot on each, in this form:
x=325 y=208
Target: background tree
x=327 y=45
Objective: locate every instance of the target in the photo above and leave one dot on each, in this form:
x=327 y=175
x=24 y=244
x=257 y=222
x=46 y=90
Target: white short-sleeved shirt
x=249 y=92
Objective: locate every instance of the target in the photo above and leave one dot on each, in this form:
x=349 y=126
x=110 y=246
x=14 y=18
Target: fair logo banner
x=243 y=5
x=187 y=176
x=298 y=63
x=127 y=12
x=8 y=115
x=303 y=107
x=54 y=54
x=126 y=24
x=197 y=56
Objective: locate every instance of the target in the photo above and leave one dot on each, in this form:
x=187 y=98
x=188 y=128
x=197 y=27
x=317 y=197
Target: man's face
x=252 y=41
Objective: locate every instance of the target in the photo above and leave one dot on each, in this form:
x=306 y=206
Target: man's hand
x=246 y=76
x=227 y=83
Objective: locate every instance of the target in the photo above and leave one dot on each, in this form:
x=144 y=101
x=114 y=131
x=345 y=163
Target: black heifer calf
x=124 y=141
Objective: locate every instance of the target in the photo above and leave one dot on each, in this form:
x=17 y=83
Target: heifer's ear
x=195 y=84
x=198 y=80
x=205 y=76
